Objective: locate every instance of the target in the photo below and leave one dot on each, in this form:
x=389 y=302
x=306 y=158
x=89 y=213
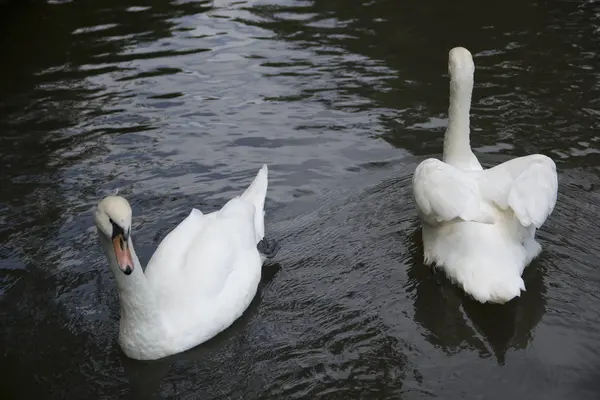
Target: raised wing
x=444 y=193
x=527 y=185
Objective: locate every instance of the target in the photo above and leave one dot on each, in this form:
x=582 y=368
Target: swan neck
x=138 y=303
x=457 y=146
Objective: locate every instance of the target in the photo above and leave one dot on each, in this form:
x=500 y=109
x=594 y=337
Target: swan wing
x=226 y=243
x=168 y=256
x=444 y=193
x=526 y=185
x=203 y=248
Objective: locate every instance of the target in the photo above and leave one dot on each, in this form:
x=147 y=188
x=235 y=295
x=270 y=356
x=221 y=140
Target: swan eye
x=117 y=230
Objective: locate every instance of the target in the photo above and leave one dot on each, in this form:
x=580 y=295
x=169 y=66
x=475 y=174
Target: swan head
x=460 y=64
x=113 y=220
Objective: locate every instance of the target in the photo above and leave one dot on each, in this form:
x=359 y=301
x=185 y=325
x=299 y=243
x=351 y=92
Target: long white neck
x=457 y=145
x=139 y=309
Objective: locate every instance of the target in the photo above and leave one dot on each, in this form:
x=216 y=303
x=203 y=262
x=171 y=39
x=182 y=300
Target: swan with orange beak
x=201 y=278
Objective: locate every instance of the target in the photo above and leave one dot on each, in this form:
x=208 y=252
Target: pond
x=176 y=104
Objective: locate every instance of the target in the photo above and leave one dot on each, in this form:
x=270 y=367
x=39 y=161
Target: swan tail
x=256 y=194
x=489 y=283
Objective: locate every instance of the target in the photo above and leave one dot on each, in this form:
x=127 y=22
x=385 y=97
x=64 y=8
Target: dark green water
x=177 y=104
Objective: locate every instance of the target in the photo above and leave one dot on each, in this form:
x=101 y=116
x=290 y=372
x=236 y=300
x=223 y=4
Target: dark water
x=177 y=104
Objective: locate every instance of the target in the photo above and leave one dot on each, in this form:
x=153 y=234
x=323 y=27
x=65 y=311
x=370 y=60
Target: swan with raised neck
x=479 y=225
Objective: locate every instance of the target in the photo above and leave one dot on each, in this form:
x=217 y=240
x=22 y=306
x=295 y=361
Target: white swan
x=479 y=225
x=201 y=278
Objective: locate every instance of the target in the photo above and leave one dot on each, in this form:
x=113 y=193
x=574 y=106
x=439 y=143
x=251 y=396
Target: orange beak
x=123 y=254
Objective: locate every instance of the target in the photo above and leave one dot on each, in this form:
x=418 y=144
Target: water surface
x=177 y=104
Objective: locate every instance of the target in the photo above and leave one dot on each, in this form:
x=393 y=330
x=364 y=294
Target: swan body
x=479 y=225
x=202 y=277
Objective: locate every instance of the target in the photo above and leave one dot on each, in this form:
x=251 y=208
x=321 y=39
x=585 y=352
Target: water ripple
x=177 y=104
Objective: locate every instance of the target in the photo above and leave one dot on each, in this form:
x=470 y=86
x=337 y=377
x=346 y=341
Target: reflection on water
x=177 y=103
x=453 y=321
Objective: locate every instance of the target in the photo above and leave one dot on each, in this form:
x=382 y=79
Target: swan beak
x=123 y=254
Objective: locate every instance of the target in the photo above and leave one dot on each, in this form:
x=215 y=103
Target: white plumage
x=479 y=225
x=201 y=278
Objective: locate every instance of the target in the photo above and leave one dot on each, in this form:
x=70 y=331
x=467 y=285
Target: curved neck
x=138 y=302
x=457 y=146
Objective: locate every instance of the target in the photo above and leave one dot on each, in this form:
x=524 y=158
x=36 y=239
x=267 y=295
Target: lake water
x=177 y=104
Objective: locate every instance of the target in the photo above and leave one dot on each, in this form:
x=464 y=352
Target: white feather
x=526 y=185
x=444 y=193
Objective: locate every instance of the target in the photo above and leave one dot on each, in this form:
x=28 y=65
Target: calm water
x=177 y=104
